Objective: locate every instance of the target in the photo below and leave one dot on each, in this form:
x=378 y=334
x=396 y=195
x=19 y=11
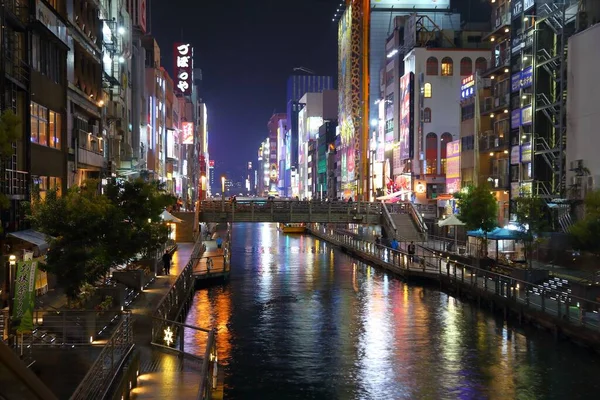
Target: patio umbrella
x=168 y=217
x=452 y=221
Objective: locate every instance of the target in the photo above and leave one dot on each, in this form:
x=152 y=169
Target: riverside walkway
x=572 y=316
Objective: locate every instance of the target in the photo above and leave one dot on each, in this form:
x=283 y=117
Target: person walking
x=209 y=264
x=411 y=251
x=166 y=258
x=219 y=242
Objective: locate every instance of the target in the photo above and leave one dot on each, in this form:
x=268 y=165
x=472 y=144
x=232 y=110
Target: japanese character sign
x=184 y=67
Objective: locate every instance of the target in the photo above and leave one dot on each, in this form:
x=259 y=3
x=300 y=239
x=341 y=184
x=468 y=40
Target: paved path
x=162 y=375
x=213 y=253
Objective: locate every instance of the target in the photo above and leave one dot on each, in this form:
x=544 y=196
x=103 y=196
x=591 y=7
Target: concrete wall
x=185 y=230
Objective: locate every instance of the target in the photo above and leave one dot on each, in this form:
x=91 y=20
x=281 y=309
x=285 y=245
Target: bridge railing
x=261 y=206
x=554 y=302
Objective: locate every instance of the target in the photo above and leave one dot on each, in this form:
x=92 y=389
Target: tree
x=10 y=132
x=478 y=209
x=530 y=212
x=140 y=204
x=79 y=226
x=585 y=232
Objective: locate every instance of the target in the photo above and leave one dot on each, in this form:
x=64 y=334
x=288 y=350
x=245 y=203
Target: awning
x=168 y=217
x=451 y=221
x=36 y=238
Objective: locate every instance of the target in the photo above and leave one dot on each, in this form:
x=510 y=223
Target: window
x=432 y=66
x=467 y=112
x=427 y=90
x=47 y=58
x=45 y=183
x=481 y=65
x=447 y=66
x=427 y=114
x=444 y=140
x=431 y=154
x=466 y=66
x=467 y=143
x=45 y=126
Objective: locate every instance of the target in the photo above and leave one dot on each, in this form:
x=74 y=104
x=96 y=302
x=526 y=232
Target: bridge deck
x=287 y=211
x=217 y=270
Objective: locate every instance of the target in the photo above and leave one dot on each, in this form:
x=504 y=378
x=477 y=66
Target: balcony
x=491 y=141
x=496 y=182
x=15 y=184
x=499 y=24
x=17 y=11
x=90 y=150
x=501 y=61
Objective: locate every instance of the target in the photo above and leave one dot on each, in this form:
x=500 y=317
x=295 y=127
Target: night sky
x=246 y=50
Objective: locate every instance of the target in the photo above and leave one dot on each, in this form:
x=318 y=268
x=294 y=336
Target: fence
x=110 y=360
x=556 y=302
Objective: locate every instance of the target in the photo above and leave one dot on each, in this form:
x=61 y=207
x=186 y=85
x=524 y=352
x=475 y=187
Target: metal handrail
x=388 y=218
x=94 y=384
x=430 y=263
x=418 y=219
x=205 y=385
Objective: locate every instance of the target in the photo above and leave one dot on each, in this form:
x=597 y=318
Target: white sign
x=527 y=4
x=47 y=17
x=184 y=67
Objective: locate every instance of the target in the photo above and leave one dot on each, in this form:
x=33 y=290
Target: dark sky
x=246 y=50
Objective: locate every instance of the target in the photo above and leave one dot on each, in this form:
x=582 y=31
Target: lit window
x=447 y=66
x=427 y=90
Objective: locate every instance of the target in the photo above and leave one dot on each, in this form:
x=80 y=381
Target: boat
x=293 y=228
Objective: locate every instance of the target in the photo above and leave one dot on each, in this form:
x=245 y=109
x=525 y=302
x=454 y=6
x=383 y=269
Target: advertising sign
x=526 y=115
x=184 y=68
x=142 y=15
x=453 y=166
x=515 y=119
x=467 y=87
x=515 y=82
x=24 y=296
x=187 y=129
x=350 y=163
x=526 y=153
x=515 y=155
x=380 y=146
x=347 y=93
x=527 y=4
x=527 y=77
x=406 y=116
x=170 y=143
x=516 y=8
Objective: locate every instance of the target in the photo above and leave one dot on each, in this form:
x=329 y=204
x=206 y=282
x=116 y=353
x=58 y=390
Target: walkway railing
x=110 y=360
x=556 y=303
x=173 y=302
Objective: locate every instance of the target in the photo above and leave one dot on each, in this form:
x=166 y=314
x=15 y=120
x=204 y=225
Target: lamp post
x=223 y=193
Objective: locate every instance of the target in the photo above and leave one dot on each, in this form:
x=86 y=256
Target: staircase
x=405 y=228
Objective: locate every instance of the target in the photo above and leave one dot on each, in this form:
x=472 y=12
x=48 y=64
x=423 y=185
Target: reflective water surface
x=301 y=320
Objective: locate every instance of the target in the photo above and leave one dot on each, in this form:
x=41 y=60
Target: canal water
x=302 y=320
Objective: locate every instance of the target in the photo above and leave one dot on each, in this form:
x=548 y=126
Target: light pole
x=372 y=175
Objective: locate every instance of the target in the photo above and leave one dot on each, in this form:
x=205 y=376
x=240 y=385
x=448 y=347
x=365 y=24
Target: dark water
x=300 y=320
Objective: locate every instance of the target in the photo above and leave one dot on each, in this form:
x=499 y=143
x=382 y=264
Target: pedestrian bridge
x=288 y=211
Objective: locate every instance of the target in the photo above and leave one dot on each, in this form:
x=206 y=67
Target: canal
x=299 y=319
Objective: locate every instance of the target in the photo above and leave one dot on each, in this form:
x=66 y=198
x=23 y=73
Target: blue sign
x=515 y=119
x=515 y=82
x=517 y=8
x=527 y=77
x=527 y=4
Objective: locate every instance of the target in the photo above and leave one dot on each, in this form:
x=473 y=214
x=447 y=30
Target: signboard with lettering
x=516 y=8
x=24 y=299
x=453 y=166
x=187 y=132
x=406 y=116
x=184 y=68
x=526 y=115
x=515 y=155
x=467 y=87
x=527 y=4
x=515 y=82
x=515 y=119
x=527 y=77
x=526 y=153
x=49 y=18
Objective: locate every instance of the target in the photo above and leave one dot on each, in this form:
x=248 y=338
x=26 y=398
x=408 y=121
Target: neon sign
x=184 y=68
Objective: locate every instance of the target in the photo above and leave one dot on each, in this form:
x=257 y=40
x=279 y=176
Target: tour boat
x=292 y=228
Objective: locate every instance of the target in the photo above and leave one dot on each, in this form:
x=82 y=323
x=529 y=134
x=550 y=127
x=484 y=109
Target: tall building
x=85 y=132
x=274 y=126
x=297 y=86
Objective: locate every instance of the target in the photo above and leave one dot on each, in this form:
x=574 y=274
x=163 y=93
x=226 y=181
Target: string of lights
x=338 y=12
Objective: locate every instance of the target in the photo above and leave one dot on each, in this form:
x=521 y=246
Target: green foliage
x=584 y=233
x=478 y=208
x=92 y=232
x=530 y=212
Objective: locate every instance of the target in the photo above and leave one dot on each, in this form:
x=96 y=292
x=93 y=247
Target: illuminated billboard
x=453 y=166
x=347 y=90
x=187 y=133
x=467 y=87
x=184 y=68
x=427 y=4
x=171 y=140
x=406 y=116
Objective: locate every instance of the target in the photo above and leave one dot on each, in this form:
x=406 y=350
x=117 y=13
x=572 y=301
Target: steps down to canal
x=405 y=228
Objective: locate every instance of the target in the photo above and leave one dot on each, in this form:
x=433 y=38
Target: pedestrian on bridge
x=219 y=242
x=166 y=258
x=411 y=251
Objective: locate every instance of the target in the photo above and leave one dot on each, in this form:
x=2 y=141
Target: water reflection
x=301 y=320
